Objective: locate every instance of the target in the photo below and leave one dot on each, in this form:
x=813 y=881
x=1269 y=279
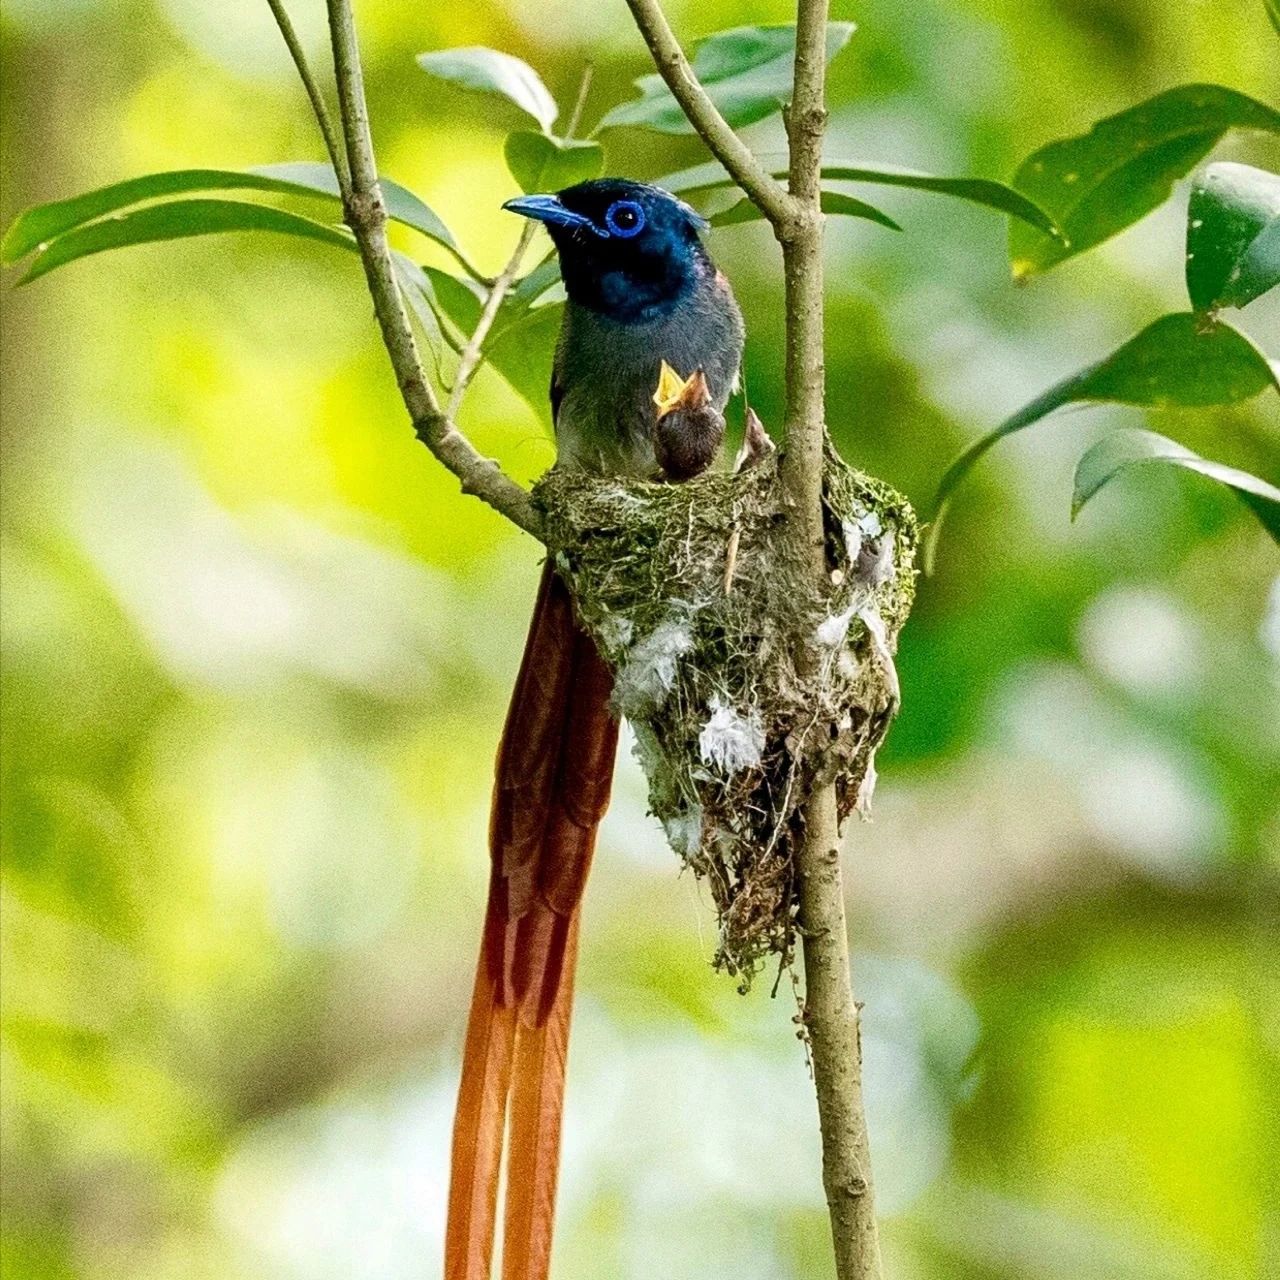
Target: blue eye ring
x=624 y=218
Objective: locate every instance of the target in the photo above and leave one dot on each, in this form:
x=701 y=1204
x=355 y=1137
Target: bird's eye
x=625 y=218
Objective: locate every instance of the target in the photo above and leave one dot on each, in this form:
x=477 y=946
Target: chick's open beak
x=674 y=392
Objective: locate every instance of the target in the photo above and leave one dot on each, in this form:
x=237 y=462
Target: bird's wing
x=557 y=378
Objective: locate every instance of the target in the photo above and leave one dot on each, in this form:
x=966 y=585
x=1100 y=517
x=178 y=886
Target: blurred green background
x=257 y=651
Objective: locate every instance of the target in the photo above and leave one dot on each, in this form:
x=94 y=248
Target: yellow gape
x=674 y=391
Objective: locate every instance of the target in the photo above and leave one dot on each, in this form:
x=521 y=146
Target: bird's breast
x=606 y=372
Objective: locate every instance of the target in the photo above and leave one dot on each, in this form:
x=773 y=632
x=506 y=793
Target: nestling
x=690 y=429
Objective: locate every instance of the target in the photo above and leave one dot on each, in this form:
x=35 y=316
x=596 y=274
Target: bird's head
x=628 y=250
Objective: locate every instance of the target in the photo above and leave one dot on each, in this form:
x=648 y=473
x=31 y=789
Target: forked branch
x=332 y=143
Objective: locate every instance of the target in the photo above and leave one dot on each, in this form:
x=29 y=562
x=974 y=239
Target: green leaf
x=1273 y=12
x=526 y=293
x=1122 y=450
x=458 y=301
x=420 y=297
x=41 y=224
x=304 y=178
x=1100 y=182
x=521 y=352
x=1259 y=268
x=1233 y=236
x=982 y=191
x=539 y=162
x=1172 y=362
x=834 y=203
x=176 y=220
x=489 y=71
x=746 y=71
x=33 y=227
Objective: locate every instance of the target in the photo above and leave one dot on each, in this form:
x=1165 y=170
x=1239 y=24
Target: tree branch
x=763 y=191
x=366 y=215
x=831 y=1015
x=807 y=113
x=805 y=426
x=835 y=1045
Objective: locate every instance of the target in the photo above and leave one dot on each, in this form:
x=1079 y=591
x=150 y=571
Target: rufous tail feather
x=555 y=767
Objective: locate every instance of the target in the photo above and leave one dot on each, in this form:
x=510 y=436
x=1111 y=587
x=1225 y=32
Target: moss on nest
x=742 y=699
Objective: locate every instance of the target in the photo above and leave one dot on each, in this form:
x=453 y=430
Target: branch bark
x=831 y=1014
x=366 y=215
x=332 y=144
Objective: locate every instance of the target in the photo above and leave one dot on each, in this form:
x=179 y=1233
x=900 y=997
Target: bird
x=641 y=290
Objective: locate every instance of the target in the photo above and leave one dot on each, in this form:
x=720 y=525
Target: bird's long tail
x=555 y=767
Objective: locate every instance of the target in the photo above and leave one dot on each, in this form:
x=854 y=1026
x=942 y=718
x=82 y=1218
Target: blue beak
x=549 y=209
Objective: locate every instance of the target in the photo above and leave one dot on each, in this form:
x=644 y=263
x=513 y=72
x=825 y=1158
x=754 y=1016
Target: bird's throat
x=640 y=293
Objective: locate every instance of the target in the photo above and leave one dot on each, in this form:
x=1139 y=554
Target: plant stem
x=831 y=1014
x=580 y=102
x=331 y=142
x=835 y=1045
x=366 y=215
x=469 y=360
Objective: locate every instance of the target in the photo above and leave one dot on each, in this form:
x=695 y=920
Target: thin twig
x=743 y=167
x=331 y=142
x=731 y=557
x=580 y=102
x=367 y=217
x=469 y=360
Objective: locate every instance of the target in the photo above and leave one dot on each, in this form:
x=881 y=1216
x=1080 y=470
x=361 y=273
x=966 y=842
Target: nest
x=746 y=683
